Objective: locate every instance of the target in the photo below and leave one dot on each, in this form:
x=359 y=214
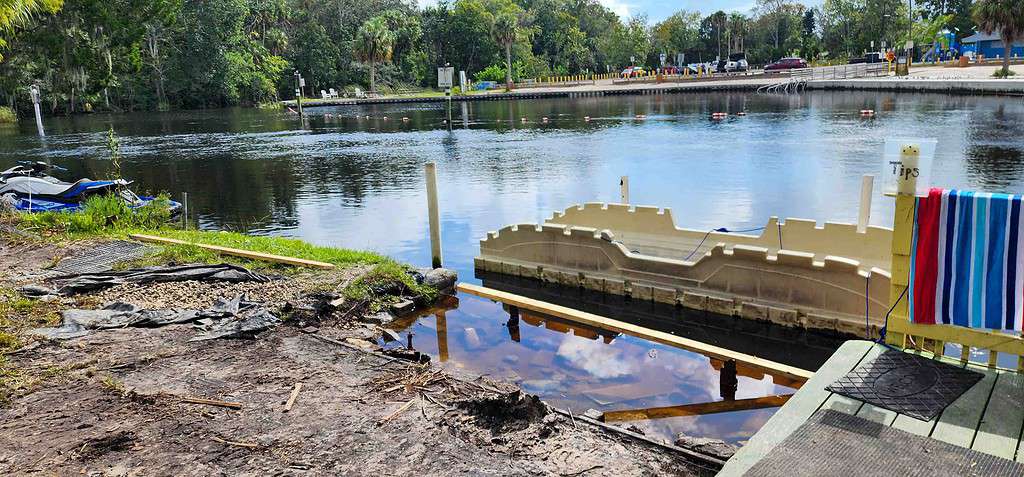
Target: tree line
x=158 y=54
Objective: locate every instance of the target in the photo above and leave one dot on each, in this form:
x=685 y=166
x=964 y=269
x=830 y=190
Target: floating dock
x=794 y=273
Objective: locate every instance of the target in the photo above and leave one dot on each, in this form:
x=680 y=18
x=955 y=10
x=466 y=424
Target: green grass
x=105 y=215
x=17 y=316
x=7 y=115
x=998 y=74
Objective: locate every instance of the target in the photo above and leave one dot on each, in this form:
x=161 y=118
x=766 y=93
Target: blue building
x=990 y=45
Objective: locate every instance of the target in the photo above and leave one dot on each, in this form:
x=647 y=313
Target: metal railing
x=860 y=70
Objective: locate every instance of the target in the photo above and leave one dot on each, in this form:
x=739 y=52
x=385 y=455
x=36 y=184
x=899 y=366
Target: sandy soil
x=114 y=403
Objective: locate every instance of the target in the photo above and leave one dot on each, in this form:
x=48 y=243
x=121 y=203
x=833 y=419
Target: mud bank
x=148 y=401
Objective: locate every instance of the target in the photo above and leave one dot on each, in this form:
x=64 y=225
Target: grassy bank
x=107 y=218
x=7 y=115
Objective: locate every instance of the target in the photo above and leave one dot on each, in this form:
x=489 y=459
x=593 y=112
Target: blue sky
x=658 y=10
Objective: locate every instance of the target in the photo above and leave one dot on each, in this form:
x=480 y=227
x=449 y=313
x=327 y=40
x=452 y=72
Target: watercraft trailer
x=833 y=277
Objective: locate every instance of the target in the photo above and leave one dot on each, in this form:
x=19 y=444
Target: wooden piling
x=867 y=184
x=433 y=215
x=624 y=189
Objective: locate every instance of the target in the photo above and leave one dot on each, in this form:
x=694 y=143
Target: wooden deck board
x=800 y=407
x=988 y=418
x=1001 y=424
x=959 y=421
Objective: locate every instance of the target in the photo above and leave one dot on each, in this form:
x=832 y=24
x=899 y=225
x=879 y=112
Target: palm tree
x=505 y=30
x=1004 y=16
x=374 y=44
x=16 y=13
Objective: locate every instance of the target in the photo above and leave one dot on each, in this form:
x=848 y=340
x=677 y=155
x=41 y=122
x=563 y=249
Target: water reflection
x=348 y=177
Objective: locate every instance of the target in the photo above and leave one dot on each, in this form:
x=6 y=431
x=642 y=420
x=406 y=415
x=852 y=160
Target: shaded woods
x=119 y=55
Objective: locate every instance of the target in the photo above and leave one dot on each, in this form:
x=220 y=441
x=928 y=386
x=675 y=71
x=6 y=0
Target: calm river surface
x=348 y=177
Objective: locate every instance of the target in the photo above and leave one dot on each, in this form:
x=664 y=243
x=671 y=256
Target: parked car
x=632 y=72
x=786 y=64
x=736 y=62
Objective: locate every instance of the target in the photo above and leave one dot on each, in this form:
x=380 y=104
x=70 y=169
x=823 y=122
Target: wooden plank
x=1001 y=424
x=591 y=319
x=301 y=262
x=698 y=409
x=847 y=405
x=798 y=409
x=959 y=421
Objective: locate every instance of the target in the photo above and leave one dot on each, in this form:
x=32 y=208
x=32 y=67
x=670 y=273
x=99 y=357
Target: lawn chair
x=324 y=95
x=359 y=93
x=332 y=93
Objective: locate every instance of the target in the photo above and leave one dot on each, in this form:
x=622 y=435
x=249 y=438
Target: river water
x=348 y=177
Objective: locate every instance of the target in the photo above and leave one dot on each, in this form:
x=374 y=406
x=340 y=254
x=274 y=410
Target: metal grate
x=833 y=443
x=100 y=258
x=906 y=383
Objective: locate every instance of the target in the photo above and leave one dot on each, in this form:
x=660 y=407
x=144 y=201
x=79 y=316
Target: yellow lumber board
x=301 y=262
x=990 y=340
x=698 y=409
x=570 y=314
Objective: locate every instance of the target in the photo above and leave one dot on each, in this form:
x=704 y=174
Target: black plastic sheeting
x=234 y=318
x=88 y=282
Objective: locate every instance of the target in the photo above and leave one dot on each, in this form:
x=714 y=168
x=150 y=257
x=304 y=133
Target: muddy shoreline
x=123 y=401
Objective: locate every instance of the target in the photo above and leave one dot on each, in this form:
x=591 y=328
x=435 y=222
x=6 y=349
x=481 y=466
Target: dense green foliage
x=151 y=54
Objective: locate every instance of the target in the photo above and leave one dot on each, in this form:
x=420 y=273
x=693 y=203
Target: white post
x=184 y=211
x=34 y=92
x=432 y=212
x=867 y=183
x=624 y=189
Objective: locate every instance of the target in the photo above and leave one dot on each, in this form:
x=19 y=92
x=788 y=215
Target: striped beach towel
x=966 y=260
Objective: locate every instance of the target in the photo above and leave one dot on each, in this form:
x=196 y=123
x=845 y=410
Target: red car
x=786 y=64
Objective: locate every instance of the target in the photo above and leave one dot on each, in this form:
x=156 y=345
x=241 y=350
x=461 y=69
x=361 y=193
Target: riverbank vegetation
x=107 y=218
x=89 y=55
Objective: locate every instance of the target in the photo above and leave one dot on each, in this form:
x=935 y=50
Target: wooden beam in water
x=698 y=409
x=300 y=262
x=558 y=311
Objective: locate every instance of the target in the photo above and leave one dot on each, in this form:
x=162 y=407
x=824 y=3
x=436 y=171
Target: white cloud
x=618 y=7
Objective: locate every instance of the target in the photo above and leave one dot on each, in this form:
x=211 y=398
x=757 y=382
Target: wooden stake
x=433 y=215
x=566 y=313
x=291 y=399
x=699 y=409
x=866 y=185
x=236 y=252
x=212 y=402
x=624 y=189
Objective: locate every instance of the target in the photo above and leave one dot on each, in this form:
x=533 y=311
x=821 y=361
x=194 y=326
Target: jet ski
x=27 y=187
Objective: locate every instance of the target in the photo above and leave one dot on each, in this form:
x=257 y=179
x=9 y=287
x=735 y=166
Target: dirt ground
x=116 y=402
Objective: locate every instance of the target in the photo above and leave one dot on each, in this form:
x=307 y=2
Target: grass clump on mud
x=385 y=284
x=18 y=314
x=102 y=216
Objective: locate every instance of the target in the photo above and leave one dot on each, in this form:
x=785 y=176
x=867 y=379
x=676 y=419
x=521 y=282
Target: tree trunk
x=373 y=71
x=508 y=67
x=1007 y=49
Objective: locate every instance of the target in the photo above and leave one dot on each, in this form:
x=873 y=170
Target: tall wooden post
x=34 y=92
x=866 y=186
x=433 y=215
x=624 y=189
x=902 y=236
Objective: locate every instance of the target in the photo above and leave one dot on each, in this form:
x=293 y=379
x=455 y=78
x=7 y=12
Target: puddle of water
x=577 y=367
